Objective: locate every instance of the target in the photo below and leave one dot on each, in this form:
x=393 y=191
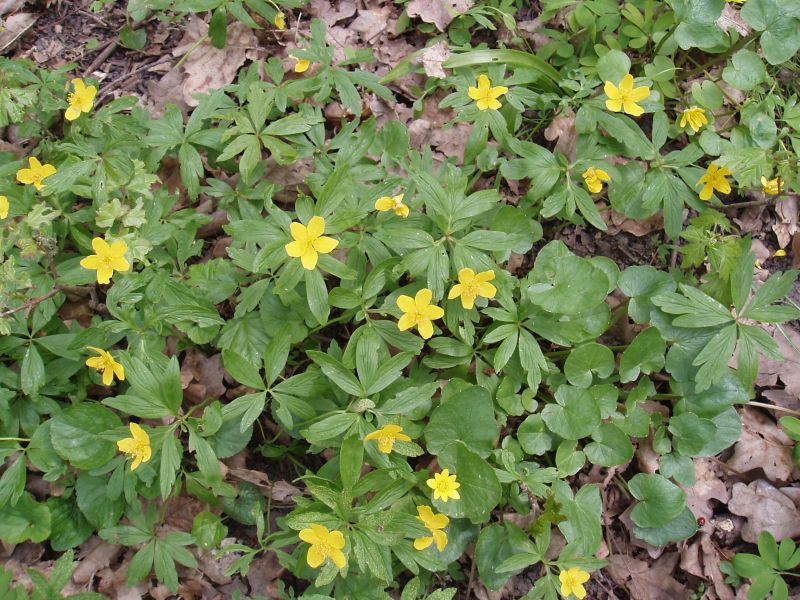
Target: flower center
x=385 y=443
x=72 y=98
x=324 y=549
x=470 y=288
x=443 y=486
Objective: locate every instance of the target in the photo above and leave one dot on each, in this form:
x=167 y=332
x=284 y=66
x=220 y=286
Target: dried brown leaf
x=433 y=57
x=208 y=68
x=438 y=12
x=766 y=509
x=647 y=581
x=762 y=445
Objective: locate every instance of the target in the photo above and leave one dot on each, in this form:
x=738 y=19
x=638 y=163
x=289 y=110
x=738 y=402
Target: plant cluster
x=367 y=315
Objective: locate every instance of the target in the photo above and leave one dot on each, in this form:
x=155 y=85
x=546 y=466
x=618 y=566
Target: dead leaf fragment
x=208 y=68
x=14 y=27
x=645 y=581
x=708 y=486
x=763 y=445
x=438 y=12
x=731 y=19
x=562 y=131
x=766 y=509
x=788 y=217
x=433 y=57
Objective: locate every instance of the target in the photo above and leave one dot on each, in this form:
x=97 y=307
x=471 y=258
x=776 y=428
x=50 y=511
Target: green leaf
x=31 y=374
x=317 y=295
x=576 y=414
x=744 y=71
x=337 y=373
x=468 y=417
x=512 y=58
x=171 y=454
x=613 y=66
x=691 y=433
x=242 y=370
x=480 y=490
x=76 y=435
x=680 y=528
x=582 y=525
x=68 y=527
x=96 y=503
x=12 y=483
x=611 y=446
x=134 y=39
x=780 y=39
x=586 y=361
x=497 y=543
x=351 y=459
x=26 y=520
x=644 y=355
x=208 y=530
x=660 y=501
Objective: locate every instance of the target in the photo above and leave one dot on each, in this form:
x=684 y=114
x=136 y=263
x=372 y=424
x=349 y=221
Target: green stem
x=720 y=58
x=14 y=439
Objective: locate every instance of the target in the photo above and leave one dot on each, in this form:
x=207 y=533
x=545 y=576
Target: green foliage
x=522 y=384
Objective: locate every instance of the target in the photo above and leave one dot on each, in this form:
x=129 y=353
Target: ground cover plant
x=412 y=299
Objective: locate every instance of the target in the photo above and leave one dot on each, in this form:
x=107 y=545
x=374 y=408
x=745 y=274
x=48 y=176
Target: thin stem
x=30 y=303
x=14 y=439
x=773 y=407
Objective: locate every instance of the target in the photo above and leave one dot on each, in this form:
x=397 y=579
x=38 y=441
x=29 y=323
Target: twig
x=773 y=407
x=471 y=577
x=748 y=203
x=101 y=58
x=30 y=303
x=115 y=84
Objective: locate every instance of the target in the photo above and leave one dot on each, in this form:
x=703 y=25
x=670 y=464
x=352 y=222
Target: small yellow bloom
x=324 y=544
x=485 y=95
x=418 y=311
x=771 y=187
x=106 y=365
x=35 y=173
x=136 y=447
x=106 y=259
x=394 y=203
x=387 y=437
x=81 y=100
x=444 y=486
x=309 y=241
x=736 y=1
x=695 y=117
x=433 y=523
x=471 y=285
x=280 y=21
x=301 y=64
x=594 y=178
x=779 y=252
x=714 y=179
x=572 y=582
x=625 y=97
x=3 y=207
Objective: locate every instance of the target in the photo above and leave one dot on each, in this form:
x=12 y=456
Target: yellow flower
x=3 y=207
x=136 y=447
x=695 y=117
x=418 y=311
x=394 y=203
x=35 y=173
x=106 y=259
x=471 y=285
x=594 y=178
x=625 y=96
x=387 y=437
x=106 y=365
x=714 y=179
x=324 y=544
x=779 y=252
x=81 y=100
x=309 y=241
x=572 y=582
x=280 y=21
x=434 y=524
x=485 y=95
x=771 y=187
x=444 y=486
x=301 y=64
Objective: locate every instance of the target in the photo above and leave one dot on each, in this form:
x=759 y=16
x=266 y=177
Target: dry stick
x=115 y=84
x=774 y=407
x=101 y=58
x=30 y=303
